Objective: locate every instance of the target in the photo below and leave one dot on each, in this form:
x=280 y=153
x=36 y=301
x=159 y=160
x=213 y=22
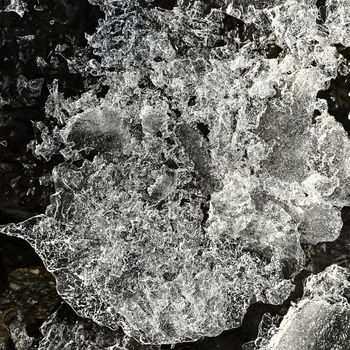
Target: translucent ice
x=210 y=169
x=18 y=6
x=320 y=321
x=66 y=332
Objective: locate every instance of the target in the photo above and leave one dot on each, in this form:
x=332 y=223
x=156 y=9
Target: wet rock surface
x=28 y=295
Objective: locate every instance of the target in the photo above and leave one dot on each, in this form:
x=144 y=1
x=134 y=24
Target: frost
x=209 y=170
x=321 y=319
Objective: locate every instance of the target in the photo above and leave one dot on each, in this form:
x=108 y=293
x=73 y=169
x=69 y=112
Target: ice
x=18 y=6
x=320 y=320
x=66 y=332
x=209 y=172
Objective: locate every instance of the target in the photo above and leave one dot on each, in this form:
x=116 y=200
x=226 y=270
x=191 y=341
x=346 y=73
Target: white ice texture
x=210 y=168
x=320 y=321
x=18 y=6
x=62 y=331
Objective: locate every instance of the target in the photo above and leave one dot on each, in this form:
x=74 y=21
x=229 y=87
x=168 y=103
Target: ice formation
x=210 y=167
x=18 y=6
x=320 y=320
x=65 y=332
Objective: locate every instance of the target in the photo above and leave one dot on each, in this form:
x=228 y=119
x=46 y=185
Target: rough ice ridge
x=210 y=168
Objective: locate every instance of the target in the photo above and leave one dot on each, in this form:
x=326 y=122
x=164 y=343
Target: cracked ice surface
x=170 y=231
x=321 y=319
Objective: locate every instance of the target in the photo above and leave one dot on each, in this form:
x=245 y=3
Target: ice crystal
x=321 y=319
x=210 y=168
